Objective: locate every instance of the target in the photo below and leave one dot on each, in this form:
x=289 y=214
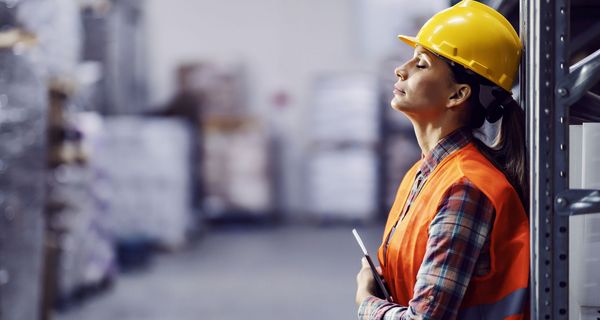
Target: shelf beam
x=582 y=77
x=578 y=201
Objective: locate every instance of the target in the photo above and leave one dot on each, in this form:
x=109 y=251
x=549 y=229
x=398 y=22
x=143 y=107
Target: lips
x=398 y=91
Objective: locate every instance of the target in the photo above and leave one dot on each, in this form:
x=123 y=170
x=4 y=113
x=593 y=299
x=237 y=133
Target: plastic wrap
x=8 y=17
x=145 y=164
x=342 y=183
x=584 y=230
x=83 y=256
x=97 y=257
x=114 y=36
x=57 y=25
x=345 y=108
x=87 y=257
x=342 y=177
x=234 y=183
x=590 y=156
x=22 y=173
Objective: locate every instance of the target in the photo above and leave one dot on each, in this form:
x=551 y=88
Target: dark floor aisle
x=243 y=273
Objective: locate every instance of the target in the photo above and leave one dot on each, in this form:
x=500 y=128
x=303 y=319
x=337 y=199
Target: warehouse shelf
x=585 y=38
x=550 y=88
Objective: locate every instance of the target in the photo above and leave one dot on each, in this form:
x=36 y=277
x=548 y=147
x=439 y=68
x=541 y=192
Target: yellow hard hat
x=475 y=36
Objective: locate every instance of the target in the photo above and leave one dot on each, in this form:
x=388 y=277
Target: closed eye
x=420 y=63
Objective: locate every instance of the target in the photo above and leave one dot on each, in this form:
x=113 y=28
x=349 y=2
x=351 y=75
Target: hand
x=366 y=285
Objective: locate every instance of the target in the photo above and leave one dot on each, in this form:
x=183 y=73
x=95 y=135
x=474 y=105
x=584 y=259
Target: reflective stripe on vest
x=511 y=305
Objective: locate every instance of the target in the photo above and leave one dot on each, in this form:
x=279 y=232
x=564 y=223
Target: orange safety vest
x=503 y=292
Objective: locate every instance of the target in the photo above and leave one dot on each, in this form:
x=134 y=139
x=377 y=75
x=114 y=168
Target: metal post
x=538 y=96
x=560 y=232
x=550 y=87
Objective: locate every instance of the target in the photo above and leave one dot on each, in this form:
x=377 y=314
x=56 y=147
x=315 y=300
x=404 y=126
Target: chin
x=396 y=105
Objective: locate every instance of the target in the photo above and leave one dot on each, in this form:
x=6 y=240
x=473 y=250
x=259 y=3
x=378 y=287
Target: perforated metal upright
x=549 y=87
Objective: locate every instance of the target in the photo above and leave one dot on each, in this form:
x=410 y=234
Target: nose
x=401 y=73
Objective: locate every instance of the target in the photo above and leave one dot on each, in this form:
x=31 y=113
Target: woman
x=456 y=243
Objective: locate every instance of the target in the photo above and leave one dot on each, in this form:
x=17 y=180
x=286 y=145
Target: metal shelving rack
x=549 y=87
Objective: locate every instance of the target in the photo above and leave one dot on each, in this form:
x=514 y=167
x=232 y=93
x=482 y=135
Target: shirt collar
x=446 y=146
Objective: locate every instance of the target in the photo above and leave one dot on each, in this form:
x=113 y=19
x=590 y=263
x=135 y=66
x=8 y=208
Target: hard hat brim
x=411 y=41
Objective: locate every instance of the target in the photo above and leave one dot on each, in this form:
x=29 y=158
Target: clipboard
x=380 y=281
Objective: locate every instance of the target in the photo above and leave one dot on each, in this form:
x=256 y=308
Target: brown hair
x=510 y=156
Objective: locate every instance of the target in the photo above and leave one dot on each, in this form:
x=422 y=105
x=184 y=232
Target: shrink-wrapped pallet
x=22 y=174
x=146 y=167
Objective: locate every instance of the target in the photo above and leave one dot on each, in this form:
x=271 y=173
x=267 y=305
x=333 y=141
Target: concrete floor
x=243 y=273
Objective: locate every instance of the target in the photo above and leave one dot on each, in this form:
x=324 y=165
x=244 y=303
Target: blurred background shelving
x=151 y=145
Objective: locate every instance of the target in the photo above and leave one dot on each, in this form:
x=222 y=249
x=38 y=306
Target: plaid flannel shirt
x=457 y=247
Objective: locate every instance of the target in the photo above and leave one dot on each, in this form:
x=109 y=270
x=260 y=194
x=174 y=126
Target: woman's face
x=424 y=85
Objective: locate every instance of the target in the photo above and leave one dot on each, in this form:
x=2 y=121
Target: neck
x=429 y=134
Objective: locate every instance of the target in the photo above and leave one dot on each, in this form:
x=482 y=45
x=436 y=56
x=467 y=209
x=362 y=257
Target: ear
x=460 y=94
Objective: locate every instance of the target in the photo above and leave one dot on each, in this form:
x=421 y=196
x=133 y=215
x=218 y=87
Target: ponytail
x=511 y=156
x=491 y=103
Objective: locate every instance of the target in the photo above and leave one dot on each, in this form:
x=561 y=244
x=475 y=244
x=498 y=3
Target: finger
x=379 y=270
x=364 y=261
